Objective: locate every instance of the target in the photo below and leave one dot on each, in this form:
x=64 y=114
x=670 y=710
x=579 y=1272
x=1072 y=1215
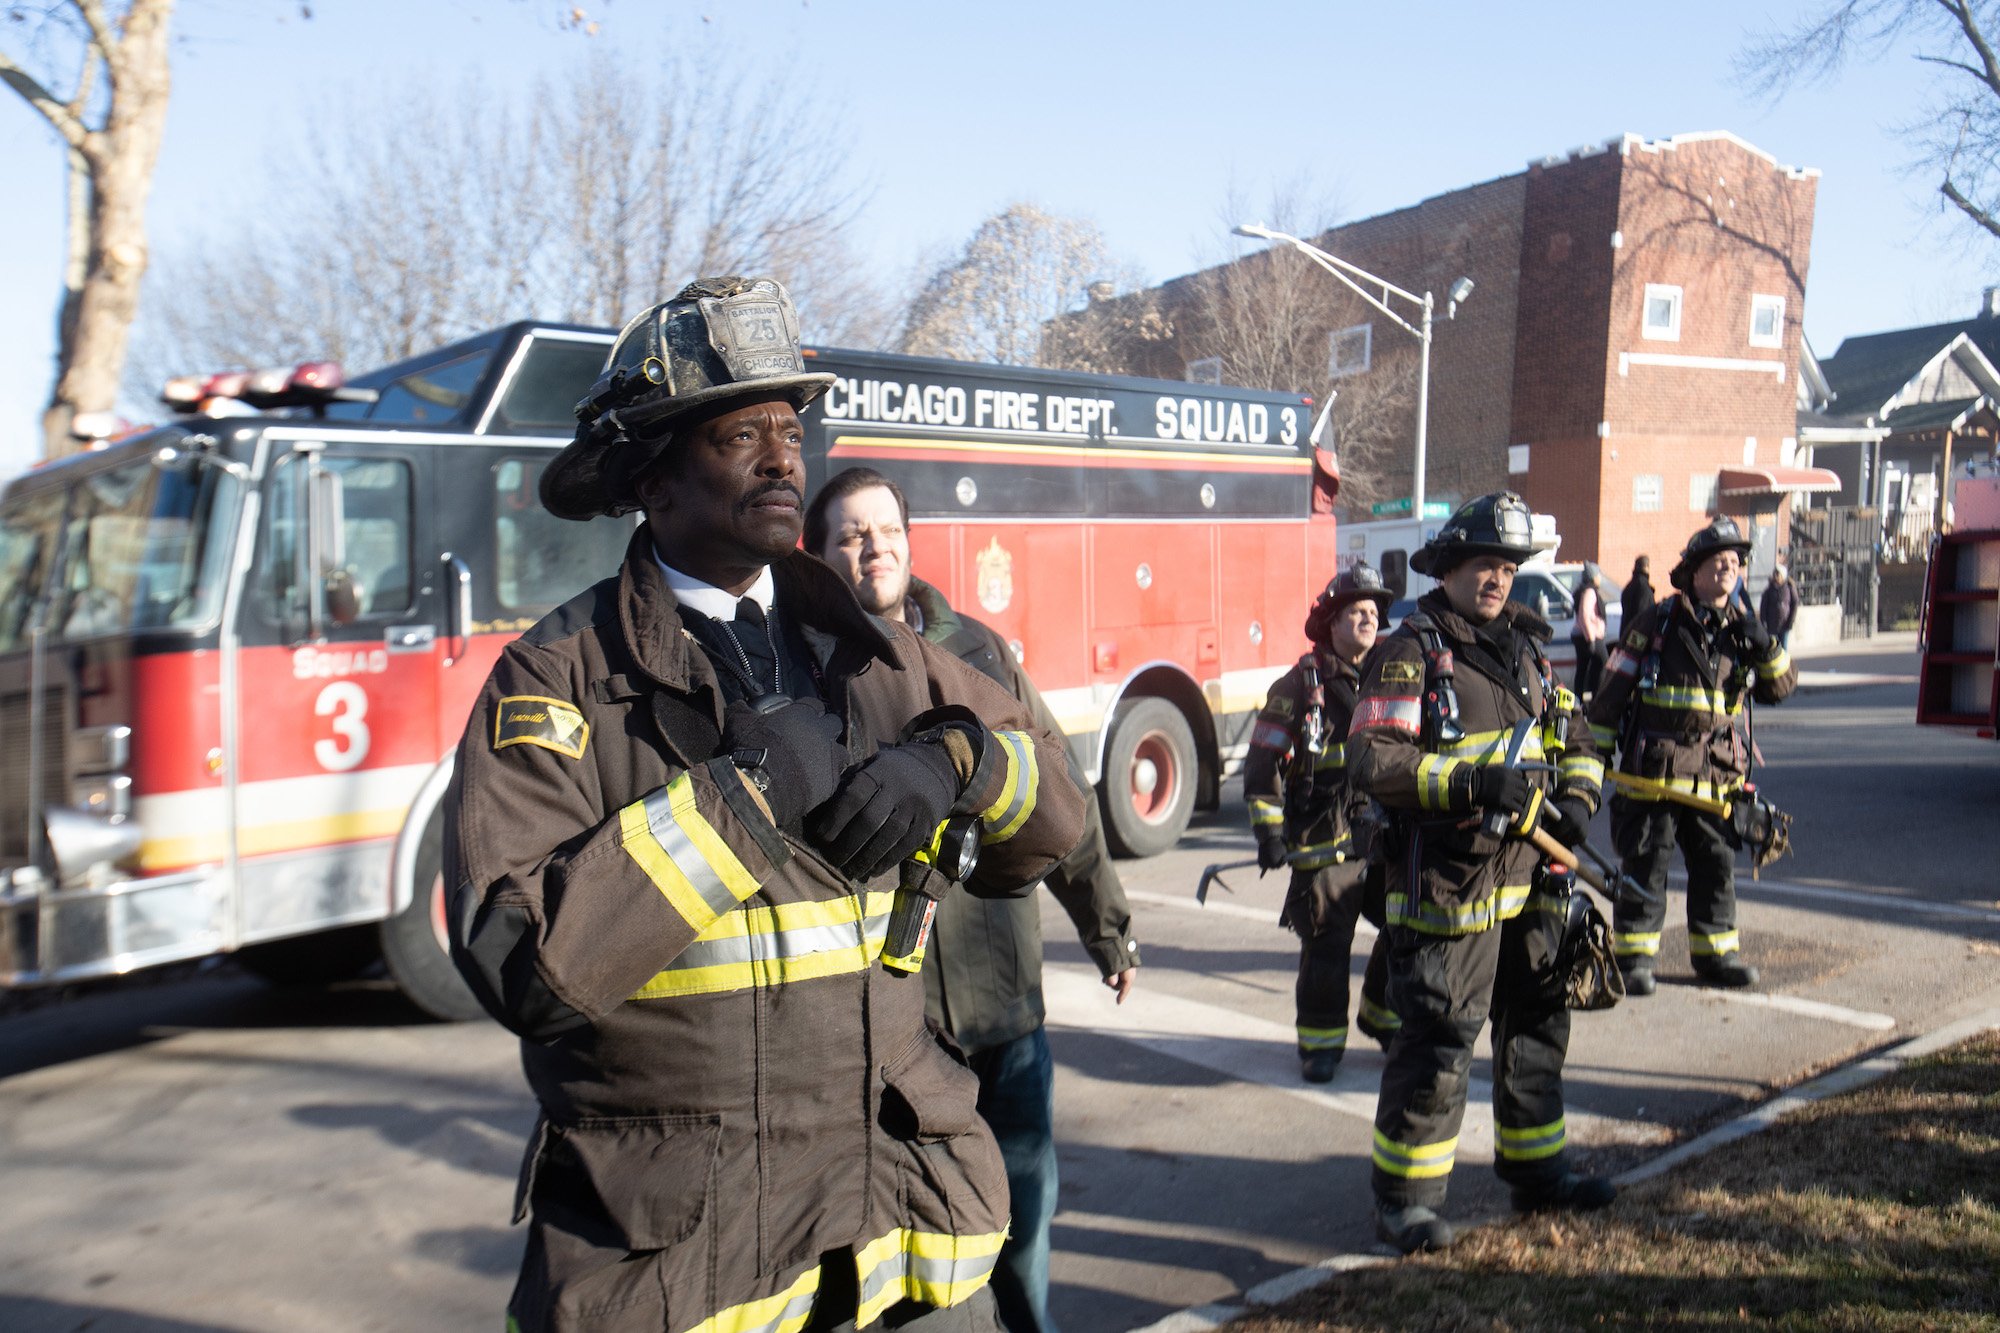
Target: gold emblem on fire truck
x=996 y=576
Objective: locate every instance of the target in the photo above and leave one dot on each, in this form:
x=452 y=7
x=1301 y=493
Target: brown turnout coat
x=731 y=1084
x=1447 y=875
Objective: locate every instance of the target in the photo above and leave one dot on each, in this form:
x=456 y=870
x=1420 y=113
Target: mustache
x=773 y=488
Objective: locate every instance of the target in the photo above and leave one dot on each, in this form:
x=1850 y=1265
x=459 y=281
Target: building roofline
x=1625 y=144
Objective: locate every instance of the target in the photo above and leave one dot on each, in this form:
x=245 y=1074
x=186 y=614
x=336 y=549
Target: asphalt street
x=201 y=1153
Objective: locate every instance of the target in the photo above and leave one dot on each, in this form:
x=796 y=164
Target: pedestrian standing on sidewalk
x=1299 y=801
x=1588 y=636
x=983 y=970
x=1673 y=691
x=1442 y=699
x=676 y=832
x=1637 y=599
x=1779 y=607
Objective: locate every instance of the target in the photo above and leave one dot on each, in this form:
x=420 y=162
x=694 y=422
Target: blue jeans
x=1017 y=1084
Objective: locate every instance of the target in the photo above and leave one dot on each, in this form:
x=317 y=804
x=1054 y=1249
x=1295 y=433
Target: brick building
x=1625 y=360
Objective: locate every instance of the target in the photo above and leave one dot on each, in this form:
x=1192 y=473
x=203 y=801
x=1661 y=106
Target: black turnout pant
x=1444 y=988
x=1645 y=833
x=1322 y=907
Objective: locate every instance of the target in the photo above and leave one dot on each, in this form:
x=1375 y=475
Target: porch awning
x=1775 y=480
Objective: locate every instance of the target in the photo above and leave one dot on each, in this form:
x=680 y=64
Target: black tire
x=313 y=960
x=414 y=946
x=1150 y=773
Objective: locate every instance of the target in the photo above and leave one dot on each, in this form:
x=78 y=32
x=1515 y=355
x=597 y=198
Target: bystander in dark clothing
x=1638 y=597
x=1779 y=607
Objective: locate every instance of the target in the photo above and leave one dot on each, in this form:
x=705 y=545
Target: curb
x=1201 y=1318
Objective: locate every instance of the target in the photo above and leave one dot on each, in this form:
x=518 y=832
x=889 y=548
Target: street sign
x=1401 y=509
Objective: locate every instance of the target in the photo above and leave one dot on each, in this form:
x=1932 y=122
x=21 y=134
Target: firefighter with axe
x=1293 y=779
x=1463 y=735
x=1681 y=678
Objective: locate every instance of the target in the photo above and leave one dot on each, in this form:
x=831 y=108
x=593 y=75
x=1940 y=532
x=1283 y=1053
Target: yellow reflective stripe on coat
x=786 y=1312
x=1581 y=768
x=1415 y=1161
x=1322 y=1039
x=680 y=851
x=924 y=1266
x=1776 y=667
x=1490 y=747
x=1606 y=738
x=1334 y=756
x=1530 y=1145
x=1636 y=943
x=1434 y=781
x=1501 y=904
x=1003 y=819
x=1713 y=946
x=1264 y=813
x=773 y=945
x=1689 y=699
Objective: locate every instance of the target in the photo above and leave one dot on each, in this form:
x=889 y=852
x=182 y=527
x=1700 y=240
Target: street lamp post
x=1421 y=331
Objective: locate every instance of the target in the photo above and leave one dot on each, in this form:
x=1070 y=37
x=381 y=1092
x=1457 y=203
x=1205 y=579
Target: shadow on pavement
x=33 y=1314
x=115 y=1016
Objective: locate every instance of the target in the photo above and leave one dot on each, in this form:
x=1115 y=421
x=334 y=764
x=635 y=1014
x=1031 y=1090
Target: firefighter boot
x=1412 y=1228
x=1727 y=970
x=1638 y=974
x=1319 y=1066
x=1568 y=1192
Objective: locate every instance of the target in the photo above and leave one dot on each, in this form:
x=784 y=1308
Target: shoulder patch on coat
x=1636 y=639
x=530 y=719
x=1279 y=705
x=1398 y=672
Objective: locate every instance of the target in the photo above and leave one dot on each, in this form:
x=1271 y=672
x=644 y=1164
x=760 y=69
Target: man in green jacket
x=983 y=980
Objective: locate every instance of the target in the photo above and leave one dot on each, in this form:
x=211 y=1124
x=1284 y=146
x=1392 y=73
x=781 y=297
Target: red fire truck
x=237 y=651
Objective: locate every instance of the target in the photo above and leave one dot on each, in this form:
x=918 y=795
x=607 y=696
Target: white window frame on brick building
x=1667 y=327
x=1648 y=488
x=1769 y=309
x=1205 y=370
x=1350 y=364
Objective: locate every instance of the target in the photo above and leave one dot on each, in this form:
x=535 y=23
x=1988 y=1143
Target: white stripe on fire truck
x=276 y=815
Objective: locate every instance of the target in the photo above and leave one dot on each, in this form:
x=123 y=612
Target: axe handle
x=1555 y=851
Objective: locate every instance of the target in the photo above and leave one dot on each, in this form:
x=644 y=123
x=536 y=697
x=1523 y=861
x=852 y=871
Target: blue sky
x=1143 y=117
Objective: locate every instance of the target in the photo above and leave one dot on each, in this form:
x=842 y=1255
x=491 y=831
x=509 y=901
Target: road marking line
x=1262 y=915
x=1257 y=1051
x=1793 y=1004
x=1864 y=897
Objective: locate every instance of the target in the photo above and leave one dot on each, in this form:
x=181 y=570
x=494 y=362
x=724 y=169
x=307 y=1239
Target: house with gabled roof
x=1895 y=414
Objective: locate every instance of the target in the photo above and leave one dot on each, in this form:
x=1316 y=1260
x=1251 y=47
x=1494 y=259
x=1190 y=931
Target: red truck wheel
x=1149 y=778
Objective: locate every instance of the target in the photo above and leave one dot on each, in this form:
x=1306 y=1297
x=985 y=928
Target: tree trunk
x=96 y=316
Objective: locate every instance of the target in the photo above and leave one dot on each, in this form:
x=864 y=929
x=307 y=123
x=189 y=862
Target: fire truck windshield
x=142 y=546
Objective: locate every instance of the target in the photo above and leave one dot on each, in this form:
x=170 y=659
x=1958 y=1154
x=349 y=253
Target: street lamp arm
x=1341 y=269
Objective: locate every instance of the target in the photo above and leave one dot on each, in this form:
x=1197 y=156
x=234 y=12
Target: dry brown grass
x=1875 y=1210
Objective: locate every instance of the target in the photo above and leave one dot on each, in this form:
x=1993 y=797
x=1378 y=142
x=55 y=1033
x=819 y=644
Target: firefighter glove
x=797 y=747
x=1495 y=787
x=1270 y=851
x=1755 y=637
x=1568 y=818
x=887 y=808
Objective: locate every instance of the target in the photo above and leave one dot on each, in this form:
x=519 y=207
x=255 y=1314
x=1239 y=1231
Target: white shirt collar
x=713 y=602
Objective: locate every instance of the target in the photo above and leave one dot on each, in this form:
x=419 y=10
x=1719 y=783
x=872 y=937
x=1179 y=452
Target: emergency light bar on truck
x=237 y=651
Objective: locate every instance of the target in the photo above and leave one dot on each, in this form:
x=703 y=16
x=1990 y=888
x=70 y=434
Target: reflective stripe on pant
x=1017 y=1089
x=1645 y=834
x=1445 y=988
